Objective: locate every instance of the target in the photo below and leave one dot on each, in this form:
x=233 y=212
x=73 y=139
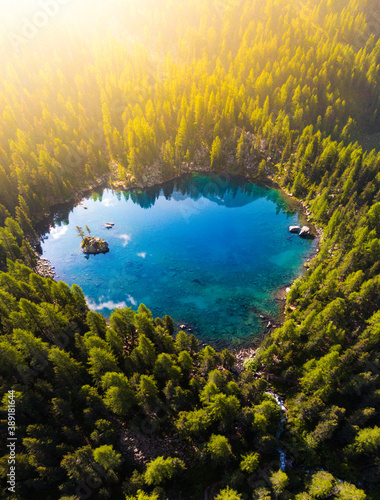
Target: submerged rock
x=294 y=229
x=93 y=245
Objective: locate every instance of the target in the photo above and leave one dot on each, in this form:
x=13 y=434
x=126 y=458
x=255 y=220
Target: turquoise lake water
x=211 y=251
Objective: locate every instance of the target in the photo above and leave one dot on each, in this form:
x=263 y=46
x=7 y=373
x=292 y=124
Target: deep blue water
x=210 y=251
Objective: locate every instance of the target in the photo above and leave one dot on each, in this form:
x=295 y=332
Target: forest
x=137 y=93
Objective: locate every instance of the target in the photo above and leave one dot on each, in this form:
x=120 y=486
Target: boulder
x=305 y=232
x=294 y=229
x=93 y=245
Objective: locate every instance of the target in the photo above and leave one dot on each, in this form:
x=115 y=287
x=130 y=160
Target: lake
x=211 y=251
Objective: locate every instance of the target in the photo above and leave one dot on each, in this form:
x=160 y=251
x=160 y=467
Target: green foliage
x=224 y=409
x=185 y=362
x=144 y=355
x=250 y=462
x=347 y=491
x=80 y=232
x=165 y=369
x=228 y=494
x=67 y=370
x=101 y=361
x=267 y=416
x=279 y=481
x=119 y=396
x=209 y=390
x=107 y=457
x=322 y=484
x=250 y=364
x=141 y=495
x=148 y=394
x=181 y=341
x=367 y=441
x=193 y=424
x=228 y=359
x=215 y=153
x=162 y=470
x=79 y=465
x=103 y=433
x=218 y=449
x=97 y=323
x=169 y=324
x=123 y=322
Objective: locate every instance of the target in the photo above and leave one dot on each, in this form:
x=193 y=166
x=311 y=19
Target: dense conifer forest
x=136 y=93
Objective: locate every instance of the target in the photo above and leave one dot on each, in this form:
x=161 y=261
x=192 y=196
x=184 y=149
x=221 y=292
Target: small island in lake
x=91 y=244
x=94 y=244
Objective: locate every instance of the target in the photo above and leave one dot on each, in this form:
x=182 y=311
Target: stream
x=280 y=430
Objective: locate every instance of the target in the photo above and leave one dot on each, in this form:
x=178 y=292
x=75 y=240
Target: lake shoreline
x=44 y=268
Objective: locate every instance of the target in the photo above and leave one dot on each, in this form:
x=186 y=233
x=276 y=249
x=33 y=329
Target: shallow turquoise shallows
x=210 y=251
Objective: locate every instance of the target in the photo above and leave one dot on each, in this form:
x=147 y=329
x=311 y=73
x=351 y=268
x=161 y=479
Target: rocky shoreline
x=44 y=267
x=241 y=356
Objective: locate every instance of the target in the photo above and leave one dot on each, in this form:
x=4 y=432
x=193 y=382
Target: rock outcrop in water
x=94 y=245
x=305 y=232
